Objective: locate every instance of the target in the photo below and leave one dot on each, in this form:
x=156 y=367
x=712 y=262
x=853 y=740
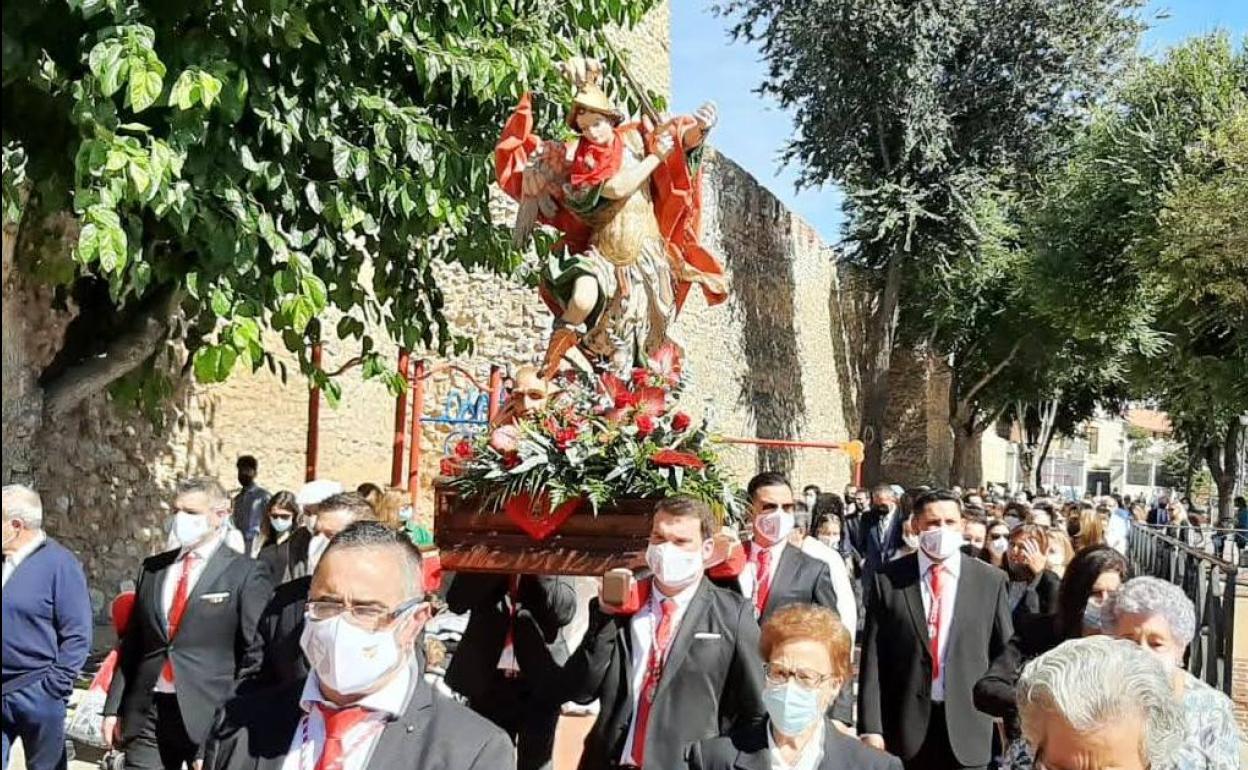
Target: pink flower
x=651 y=402
x=640 y=377
x=645 y=425
x=505 y=440
x=681 y=422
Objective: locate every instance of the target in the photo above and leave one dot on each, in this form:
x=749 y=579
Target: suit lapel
x=752 y=760
x=685 y=634
x=155 y=596
x=215 y=568
x=397 y=745
x=785 y=577
x=912 y=593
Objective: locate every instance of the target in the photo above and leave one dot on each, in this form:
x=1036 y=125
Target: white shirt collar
x=391 y=699
x=21 y=554
x=953 y=564
x=682 y=597
x=810 y=755
x=205 y=550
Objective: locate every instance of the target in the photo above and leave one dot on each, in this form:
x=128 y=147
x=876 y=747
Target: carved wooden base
x=471 y=541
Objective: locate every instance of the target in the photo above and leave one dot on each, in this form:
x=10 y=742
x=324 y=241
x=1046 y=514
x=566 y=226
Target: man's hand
x=724 y=543
x=873 y=740
x=112 y=732
x=707 y=116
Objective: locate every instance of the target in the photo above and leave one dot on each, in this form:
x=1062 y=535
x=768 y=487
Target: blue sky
x=752 y=130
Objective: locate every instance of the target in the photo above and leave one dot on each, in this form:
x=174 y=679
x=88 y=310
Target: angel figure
x=627 y=199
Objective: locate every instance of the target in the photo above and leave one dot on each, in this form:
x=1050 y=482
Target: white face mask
x=771 y=528
x=998 y=545
x=939 y=544
x=280 y=526
x=190 y=528
x=316 y=547
x=831 y=541
x=346 y=658
x=673 y=566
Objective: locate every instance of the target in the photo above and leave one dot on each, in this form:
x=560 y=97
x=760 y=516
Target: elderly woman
x=1099 y=703
x=1160 y=618
x=807 y=651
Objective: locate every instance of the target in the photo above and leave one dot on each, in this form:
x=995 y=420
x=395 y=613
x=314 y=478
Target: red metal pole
x=857 y=474
x=400 y=420
x=418 y=413
x=496 y=390
x=774 y=442
x=314 y=421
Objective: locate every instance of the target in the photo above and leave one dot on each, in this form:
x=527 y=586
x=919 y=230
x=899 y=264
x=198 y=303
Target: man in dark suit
x=936 y=619
x=879 y=532
x=281 y=623
x=192 y=633
x=776 y=573
x=510 y=652
x=366 y=704
x=678 y=665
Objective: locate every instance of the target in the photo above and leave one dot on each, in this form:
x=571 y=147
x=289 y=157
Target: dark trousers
x=162 y=742
x=530 y=719
x=936 y=753
x=35 y=716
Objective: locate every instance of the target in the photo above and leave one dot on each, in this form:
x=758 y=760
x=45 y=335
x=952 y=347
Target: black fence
x=1211 y=584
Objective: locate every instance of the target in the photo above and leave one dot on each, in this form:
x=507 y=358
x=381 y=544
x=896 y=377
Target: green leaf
x=342 y=159
x=313 y=198
x=181 y=95
x=88 y=244
x=108 y=65
x=213 y=363
x=145 y=88
x=139 y=177
x=209 y=88
x=192 y=284
x=220 y=302
x=314 y=289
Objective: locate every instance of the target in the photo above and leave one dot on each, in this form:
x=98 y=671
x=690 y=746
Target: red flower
x=614 y=387
x=448 y=467
x=625 y=400
x=640 y=377
x=564 y=438
x=666 y=362
x=681 y=422
x=670 y=458
x=645 y=425
x=511 y=461
x=463 y=450
x=651 y=402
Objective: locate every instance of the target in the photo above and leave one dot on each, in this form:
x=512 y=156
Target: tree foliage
x=263 y=167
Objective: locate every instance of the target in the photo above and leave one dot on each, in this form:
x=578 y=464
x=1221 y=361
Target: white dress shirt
x=949 y=590
x=846 y=606
x=202 y=553
x=808 y=759
x=643 y=627
x=21 y=554
x=384 y=705
x=748 y=579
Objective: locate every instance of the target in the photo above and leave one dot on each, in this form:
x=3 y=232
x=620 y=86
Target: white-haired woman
x=1159 y=617
x=1099 y=703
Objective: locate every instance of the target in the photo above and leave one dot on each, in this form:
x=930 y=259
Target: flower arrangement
x=599 y=438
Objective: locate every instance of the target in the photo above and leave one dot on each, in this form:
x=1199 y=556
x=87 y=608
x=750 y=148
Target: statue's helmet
x=585 y=75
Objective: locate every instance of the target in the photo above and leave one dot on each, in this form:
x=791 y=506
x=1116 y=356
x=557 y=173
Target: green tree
x=910 y=106
x=1147 y=224
x=239 y=168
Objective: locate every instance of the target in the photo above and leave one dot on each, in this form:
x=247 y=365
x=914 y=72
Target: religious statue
x=627 y=199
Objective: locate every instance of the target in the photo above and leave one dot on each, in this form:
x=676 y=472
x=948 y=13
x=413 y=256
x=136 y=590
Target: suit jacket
x=896 y=670
x=255 y=732
x=1040 y=598
x=288 y=560
x=216 y=641
x=712 y=680
x=801 y=579
x=747 y=749
x=877 y=550
x=280 y=626
x=544 y=605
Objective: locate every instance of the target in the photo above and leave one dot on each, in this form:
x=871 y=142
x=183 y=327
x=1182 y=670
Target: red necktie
x=762 y=578
x=654 y=669
x=179 y=607
x=337 y=724
x=933 y=621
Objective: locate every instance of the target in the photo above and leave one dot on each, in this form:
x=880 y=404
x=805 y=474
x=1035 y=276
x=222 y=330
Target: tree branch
x=126 y=353
x=992 y=373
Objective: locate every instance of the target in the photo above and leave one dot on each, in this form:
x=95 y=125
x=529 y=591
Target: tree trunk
x=1041 y=456
x=1223 y=460
x=967 y=470
x=876 y=383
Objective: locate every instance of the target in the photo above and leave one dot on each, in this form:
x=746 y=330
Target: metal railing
x=1210 y=582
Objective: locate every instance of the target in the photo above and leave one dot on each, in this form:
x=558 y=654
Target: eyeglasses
x=369 y=617
x=805 y=677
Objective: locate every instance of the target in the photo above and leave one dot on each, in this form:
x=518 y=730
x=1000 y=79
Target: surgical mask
x=405 y=513
x=998 y=545
x=773 y=527
x=346 y=658
x=316 y=547
x=673 y=566
x=939 y=544
x=791 y=707
x=280 y=526
x=1092 y=617
x=190 y=528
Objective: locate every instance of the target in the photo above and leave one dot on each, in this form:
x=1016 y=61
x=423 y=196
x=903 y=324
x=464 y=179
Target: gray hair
x=23 y=503
x=371 y=534
x=1095 y=681
x=1153 y=596
x=209 y=488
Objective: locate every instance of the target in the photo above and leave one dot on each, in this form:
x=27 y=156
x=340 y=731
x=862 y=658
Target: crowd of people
x=883 y=628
